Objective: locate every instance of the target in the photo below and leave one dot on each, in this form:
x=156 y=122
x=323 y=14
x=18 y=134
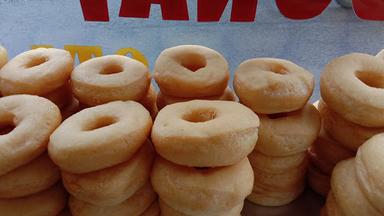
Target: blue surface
x=311 y=43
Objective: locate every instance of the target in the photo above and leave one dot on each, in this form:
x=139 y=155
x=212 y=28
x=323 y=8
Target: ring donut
x=135 y=205
x=192 y=133
x=269 y=86
x=109 y=78
x=113 y=132
x=31 y=178
x=331 y=208
x=61 y=96
x=37 y=72
x=3 y=56
x=26 y=122
x=202 y=191
x=112 y=186
x=288 y=133
x=164 y=100
x=191 y=71
x=351 y=86
x=46 y=203
x=149 y=101
x=346 y=133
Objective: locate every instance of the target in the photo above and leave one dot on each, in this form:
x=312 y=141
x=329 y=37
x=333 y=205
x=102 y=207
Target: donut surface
x=61 y=96
x=201 y=133
x=153 y=210
x=3 y=56
x=269 y=86
x=36 y=72
x=112 y=132
x=190 y=71
x=318 y=181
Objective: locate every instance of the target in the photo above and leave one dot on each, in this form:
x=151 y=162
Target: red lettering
x=369 y=9
x=95 y=10
x=302 y=9
x=212 y=10
x=171 y=9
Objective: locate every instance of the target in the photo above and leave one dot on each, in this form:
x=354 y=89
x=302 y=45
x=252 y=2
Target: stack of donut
x=105 y=159
x=28 y=178
x=43 y=72
x=351 y=110
x=3 y=56
x=111 y=78
x=202 y=167
x=357 y=184
x=190 y=72
x=278 y=91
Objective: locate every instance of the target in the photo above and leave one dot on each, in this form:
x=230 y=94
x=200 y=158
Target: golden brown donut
x=191 y=71
x=61 y=96
x=36 y=176
x=288 y=133
x=46 y=203
x=331 y=208
x=193 y=134
x=37 y=72
x=100 y=137
x=28 y=121
x=153 y=210
x=348 y=134
x=111 y=186
x=348 y=193
x=164 y=100
x=369 y=170
x=133 y=206
x=323 y=164
x=3 y=56
x=318 y=181
x=149 y=101
x=109 y=78
x=351 y=86
x=268 y=85
x=202 y=191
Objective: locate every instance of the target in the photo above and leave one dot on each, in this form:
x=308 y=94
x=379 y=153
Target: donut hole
x=36 y=61
x=100 y=123
x=111 y=69
x=192 y=61
x=200 y=115
x=371 y=79
x=277 y=115
x=7 y=124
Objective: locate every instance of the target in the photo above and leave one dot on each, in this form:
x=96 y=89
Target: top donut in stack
x=278 y=91
x=190 y=72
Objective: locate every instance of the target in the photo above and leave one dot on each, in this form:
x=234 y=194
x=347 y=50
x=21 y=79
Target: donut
x=346 y=133
x=348 y=193
x=61 y=96
x=135 y=205
x=351 y=86
x=318 y=181
x=26 y=122
x=149 y=101
x=153 y=210
x=193 y=133
x=46 y=203
x=110 y=78
x=3 y=56
x=368 y=162
x=288 y=133
x=269 y=86
x=31 y=178
x=276 y=164
x=71 y=108
x=321 y=163
x=113 y=185
x=196 y=191
x=164 y=100
x=331 y=208
x=38 y=72
x=191 y=71
x=100 y=137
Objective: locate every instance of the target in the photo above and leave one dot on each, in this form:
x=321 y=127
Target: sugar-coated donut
x=133 y=206
x=110 y=78
x=202 y=191
x=153 y=210
x=288 y=133
x=113 y=185
x=268 y=85
x=164 y=100
x=351 y=86
x=190 y=71
x=3 y=56
x=318 y=181
x=100 y=137
x=36 y=72
x=369 y=170
x=36 y=176
x=61 y=96
x=348 y=193
x=26 y=122
x=202 y=133
x=46 y=203
x=346 y=133
x=149 y=101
